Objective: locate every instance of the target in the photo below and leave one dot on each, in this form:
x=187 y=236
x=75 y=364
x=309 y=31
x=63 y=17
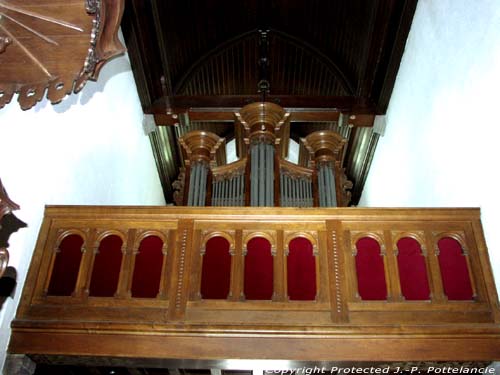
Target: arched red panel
x=106 y=270
x=301 y=270
x=412 y=270
x=454 y=271
x=370 y=270
x=258 y=270
x=216 y=269
x=147 y=268
x=66 y=266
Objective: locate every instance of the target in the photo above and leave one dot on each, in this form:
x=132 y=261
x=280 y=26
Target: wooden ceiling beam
x=179 y=103
x=227 y=115
x=296 y=114
x=302 y=108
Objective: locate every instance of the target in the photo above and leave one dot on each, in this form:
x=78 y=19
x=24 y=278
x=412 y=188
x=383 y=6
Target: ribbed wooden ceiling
x=335 y=55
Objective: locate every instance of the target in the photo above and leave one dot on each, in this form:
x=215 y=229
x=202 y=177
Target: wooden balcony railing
x=280 y=283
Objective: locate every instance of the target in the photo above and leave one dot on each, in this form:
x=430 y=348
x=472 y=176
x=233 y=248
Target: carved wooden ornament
x=55 y=46
x=6 y=207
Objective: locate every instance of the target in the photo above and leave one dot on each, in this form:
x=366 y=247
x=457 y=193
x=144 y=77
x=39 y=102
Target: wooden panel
x=337 y=317
x=388 y=347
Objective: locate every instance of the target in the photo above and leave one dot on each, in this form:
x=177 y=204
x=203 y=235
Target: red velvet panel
x=216 y=269
x=412 y=270
x=147 y=268
x=66 y=266
x=106 y=268
x=258 y=270
x=454 y=272
x=370 y=270
x=301 y=270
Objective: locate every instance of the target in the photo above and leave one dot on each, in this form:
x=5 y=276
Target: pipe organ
x=296 y=185
x=228 y=184
x=263 y=177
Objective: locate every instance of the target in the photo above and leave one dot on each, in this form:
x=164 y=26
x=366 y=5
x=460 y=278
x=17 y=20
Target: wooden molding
x=264 y=121
x=144 y=233
x=458 y=236
x=324 y=146
x=311 y=236
x=199 y=145
x=294 y=170
x=375 y=235
x=267 y=234
x=208 y=235
x=62 y=46
x=418 y=236
x=229 y=170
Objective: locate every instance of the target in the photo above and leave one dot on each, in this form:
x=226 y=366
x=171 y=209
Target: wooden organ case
x=263 y=177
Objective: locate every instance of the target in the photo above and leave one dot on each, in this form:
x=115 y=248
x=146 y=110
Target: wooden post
x=123 y=289
x=437 y=291
x=237 y=267
x=181 y=273
x=337 y=272
x=391 y=270
x=279 y=270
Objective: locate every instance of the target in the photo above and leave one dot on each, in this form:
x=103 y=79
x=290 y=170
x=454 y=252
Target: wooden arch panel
x=66 y=266
x=106 y=267
x=148 y=267
x=258 y=275
x=301 y=270
x=454 y=270
x=370 y=269
x=412 y=270
x=216 y=269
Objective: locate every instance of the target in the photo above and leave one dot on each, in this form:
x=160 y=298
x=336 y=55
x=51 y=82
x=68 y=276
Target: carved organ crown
x=262 y=177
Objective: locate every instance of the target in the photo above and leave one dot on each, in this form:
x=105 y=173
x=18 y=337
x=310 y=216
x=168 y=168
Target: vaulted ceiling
x=332 y=64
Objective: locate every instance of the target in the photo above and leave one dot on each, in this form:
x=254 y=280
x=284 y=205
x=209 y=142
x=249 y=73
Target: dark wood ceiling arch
x=199 y=63
x=231 y=69
x=335 y=67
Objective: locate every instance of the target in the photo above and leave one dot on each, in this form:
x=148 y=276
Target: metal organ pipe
x=232 y=184
x=230 y=190
x=226 y=193
x=197 y=184
x=262 y=175
x=269 y=182
x=326 y=185
x=295 y=191
x=254 y=173
x=203 y=186
x=261 y=180
x=215 y=189
x=309 y=193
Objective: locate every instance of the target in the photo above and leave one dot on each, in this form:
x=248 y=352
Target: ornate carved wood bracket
x=178 y=186
x=8 y=225
x=55 y=48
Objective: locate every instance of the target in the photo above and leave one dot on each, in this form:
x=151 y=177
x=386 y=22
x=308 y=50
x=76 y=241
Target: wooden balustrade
x=316 y=284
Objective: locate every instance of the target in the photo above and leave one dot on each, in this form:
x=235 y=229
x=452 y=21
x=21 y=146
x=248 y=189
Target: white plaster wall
x=89 y=149
x=442 y=143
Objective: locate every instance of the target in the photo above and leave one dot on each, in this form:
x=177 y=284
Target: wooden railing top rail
x=255 y=213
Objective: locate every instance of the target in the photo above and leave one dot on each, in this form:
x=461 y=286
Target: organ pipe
x=326 y=186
